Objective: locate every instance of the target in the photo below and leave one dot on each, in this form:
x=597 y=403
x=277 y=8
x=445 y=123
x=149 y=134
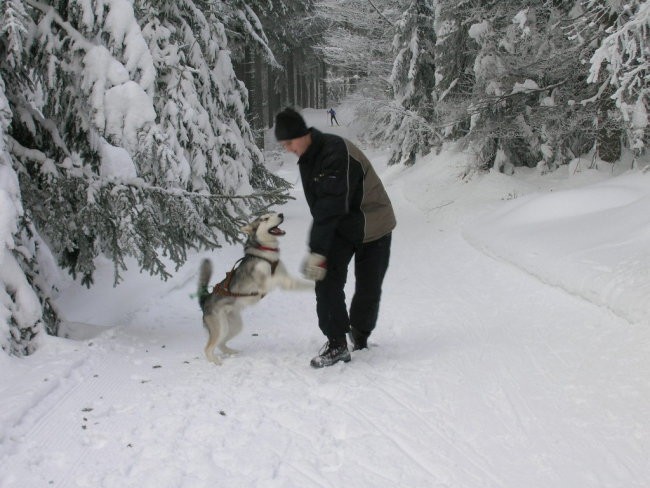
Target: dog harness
x=223 y=288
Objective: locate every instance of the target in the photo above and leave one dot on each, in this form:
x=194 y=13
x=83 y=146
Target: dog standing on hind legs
x=252 y=277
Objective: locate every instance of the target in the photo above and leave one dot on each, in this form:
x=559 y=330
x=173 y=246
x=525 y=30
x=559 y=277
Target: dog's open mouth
x=276 y=231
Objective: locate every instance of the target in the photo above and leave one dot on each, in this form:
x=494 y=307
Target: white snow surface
x=512 y=350
x=116 y=163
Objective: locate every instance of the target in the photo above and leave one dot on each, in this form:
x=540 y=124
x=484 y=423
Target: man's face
x=297 y=146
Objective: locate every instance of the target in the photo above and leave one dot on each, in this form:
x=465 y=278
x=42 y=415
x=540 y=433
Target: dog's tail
x=204 y=278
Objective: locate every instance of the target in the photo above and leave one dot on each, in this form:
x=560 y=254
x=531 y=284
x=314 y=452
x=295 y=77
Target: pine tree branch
x=184 y=193
x=491 y=101
x=380 y=14
x=139 y=184
x=72 y=32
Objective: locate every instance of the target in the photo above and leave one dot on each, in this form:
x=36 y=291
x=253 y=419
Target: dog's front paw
x=229 y=351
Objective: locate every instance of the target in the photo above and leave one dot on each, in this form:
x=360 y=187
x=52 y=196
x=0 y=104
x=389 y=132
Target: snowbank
x=592 y=241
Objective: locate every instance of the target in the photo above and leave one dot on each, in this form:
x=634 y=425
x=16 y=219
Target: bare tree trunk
x=291 y=86
x=272 y=96
x=257 y=100
x=324 y=83
x=303 y=88
x=298 y=62
x=313 y=88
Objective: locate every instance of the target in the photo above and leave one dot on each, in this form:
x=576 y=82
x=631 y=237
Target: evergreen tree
x=455 y=53
x=24 y=290
x=279 y=29
x=515 y=94
x=413 y=82
x=126 y=130
x=620 y=66
x=391 y=47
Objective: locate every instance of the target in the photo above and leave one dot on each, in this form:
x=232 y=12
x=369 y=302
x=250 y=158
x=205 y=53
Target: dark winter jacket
x=344 y=193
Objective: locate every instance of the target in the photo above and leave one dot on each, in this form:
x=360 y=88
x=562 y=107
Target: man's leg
x=333 y=318
x=370 y=265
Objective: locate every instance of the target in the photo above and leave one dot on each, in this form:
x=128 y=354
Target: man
x=351 y=216
x=332 y=113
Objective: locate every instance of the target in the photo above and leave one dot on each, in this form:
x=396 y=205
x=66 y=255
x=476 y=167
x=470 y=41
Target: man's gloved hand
x=314 y=267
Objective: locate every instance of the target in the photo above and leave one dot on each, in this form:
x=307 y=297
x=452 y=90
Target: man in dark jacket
x=352 y=216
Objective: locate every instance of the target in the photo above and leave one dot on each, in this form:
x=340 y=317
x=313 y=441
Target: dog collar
x=264 y=248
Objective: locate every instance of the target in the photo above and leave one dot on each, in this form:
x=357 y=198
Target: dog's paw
x=213 y=359
x=229 y=352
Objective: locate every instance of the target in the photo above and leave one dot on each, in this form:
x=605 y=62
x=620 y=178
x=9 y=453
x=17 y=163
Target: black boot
x=332 y=352
x=358 y=339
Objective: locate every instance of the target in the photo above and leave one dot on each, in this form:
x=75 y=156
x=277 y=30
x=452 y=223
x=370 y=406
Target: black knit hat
x=289 y=124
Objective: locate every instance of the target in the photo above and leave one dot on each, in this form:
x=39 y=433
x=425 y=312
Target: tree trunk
x=299 y=88
x=291 y=86
x=258 y=101
x=324 y=83
x=303 y=88
x=271 y=96
x=608 y=138
x=313 y=90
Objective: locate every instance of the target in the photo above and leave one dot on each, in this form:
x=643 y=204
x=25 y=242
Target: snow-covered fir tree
x=391 y=47
x=413 y=82
x=125 y=135
x=620 y=66
x=520 y=80
x=513 y=94
x=26 y=268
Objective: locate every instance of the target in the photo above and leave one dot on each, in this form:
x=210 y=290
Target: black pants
x=370 y=265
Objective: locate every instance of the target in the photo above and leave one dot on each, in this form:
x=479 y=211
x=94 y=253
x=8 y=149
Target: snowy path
x=478 y=376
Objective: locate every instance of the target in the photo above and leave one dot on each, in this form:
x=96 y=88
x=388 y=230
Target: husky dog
x=252 y=277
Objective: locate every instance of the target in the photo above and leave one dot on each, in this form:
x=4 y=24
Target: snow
x=520 y=21
x=18 y=301
x=525 y=87
x=479 y=30
x=511 y=351
x=123 y=26
x=121 y=107
x=128 y=109
x=116 y=163
x=593 y=242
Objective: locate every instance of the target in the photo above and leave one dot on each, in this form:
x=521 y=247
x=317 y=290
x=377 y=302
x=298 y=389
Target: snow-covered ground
x=512 y=350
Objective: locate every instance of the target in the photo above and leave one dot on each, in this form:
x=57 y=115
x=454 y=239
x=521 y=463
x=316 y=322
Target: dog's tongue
x=276 y=231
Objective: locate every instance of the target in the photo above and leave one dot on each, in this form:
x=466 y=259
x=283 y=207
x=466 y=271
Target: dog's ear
x=247 y=229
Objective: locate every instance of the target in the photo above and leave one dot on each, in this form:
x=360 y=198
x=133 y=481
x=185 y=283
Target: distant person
x=332 y=113
x=351 y=216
